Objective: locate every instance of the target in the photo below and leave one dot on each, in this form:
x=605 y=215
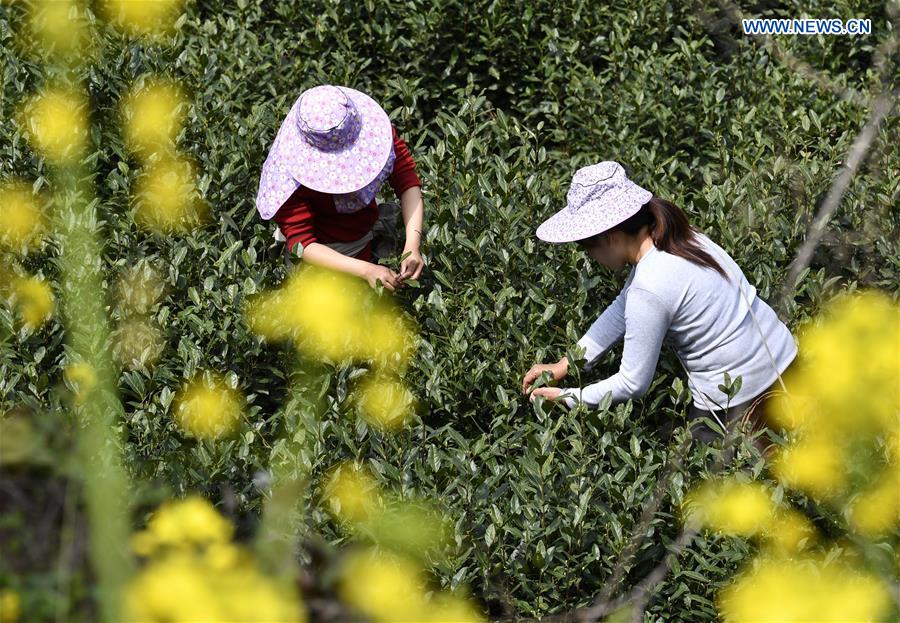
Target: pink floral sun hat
x=335 y=140
x=599 y=198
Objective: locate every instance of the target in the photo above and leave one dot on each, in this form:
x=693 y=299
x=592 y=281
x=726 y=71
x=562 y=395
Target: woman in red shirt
x=332 y=153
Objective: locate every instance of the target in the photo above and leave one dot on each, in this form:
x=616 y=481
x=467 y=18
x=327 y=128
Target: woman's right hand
x=557 y=372
x=389 y=278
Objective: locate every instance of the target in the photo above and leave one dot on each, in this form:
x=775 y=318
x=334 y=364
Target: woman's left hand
x=411 y=267
x=550 y=393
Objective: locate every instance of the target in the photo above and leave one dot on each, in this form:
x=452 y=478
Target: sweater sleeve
x=647 y=319
x=404 y=175
x=606 y=330
x=296 y=221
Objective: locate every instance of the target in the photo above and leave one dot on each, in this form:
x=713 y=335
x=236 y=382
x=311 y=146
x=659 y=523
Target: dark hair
x=669 y=228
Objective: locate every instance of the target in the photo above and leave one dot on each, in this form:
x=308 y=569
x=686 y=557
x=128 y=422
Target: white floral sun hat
x=600 y=197
x=334 y=140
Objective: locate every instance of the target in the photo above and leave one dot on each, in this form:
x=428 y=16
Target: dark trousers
x=751 y=416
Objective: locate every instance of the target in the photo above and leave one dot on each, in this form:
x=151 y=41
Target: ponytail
x=669 y=228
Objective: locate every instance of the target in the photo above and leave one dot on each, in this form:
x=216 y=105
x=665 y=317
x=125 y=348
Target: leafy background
x=500 y=103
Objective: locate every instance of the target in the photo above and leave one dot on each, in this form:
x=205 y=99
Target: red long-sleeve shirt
x=310 y=216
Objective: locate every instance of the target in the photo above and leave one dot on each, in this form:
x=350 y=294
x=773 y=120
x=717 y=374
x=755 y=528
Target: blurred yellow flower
x=21 y=219
x=785 y=589
x=57 y=124
x=82 y=379
x=143 y=17
x=188 y=522
x=10 y=606
x=731 y=507
x=815 y=464
x=223 y=556
x=789 y=532
x=449 y=608
x=384 y=401
x=390 y=338
x=791 y=410
x=389 y=588
x=167 y=199
x=332 y=316
x=153 y=116
x=175 y=588
x=182 y=588
x=848 y=374
x=139 y=288
x=59 y=27
x=207 y=408
x=876 y=510
x=385 y=587
x=843 y=419
x=196 y=573
x=351 y=492
x=33 y=299
x=138 y=343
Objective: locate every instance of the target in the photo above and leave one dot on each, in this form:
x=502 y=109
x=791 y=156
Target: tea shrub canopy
x=500 y=103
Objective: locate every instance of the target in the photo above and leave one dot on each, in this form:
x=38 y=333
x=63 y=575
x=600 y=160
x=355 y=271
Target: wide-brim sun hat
x=334 y=140
x=600 y=197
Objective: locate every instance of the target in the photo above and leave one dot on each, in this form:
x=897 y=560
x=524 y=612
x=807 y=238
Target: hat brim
x=347 y=170
x=568 y=225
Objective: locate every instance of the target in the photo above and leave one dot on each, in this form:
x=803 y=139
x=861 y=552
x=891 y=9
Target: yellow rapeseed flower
x=181 y=588
x=153 y=116
x=877 y=510
x=207 y=408
x=57 y=124
x=384 y=401
x=33 y=299
x=731 y=507
x=167 y=199
x=814 y=463
x=194 y=572
x=351 y=492
x=143 y=17
x=188 y=522
x=385 y=587
x=447 y=608
x=849 y=368
x=175 y=588
x=221 y=557
x=334 y=317
x=785 y=589
x=59 y=27
x=82 y=379
x=21 y=219
x=10 y=606
x=390 y=337
x=789 y=532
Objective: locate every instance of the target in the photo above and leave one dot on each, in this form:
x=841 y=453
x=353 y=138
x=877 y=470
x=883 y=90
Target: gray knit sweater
x=706 y=320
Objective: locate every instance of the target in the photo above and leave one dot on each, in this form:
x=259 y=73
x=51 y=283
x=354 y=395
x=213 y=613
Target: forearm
x=647 y=324
x=321 y=255
x=622 y=389
x=413 y=208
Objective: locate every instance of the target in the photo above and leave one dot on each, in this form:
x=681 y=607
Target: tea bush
x=500 y=102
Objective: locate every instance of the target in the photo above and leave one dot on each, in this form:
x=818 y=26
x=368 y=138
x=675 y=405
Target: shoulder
x=661 y=274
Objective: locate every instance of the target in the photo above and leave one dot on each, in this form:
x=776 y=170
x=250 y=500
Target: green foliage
x=500 y=102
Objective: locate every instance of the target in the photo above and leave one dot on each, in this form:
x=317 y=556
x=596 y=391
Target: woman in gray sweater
x=682 y=287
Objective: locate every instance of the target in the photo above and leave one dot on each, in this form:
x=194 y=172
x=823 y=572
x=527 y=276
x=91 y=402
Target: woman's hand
x=550 y=393
x=411 y=267
x=557 y=372
x=388 y=278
